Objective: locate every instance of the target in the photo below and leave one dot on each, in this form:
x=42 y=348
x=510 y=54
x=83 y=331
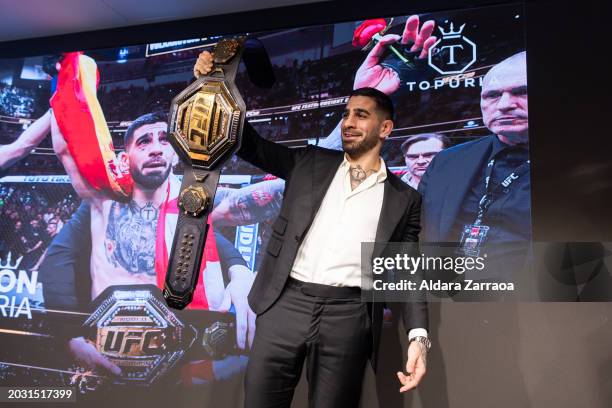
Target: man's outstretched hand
x=372 y=74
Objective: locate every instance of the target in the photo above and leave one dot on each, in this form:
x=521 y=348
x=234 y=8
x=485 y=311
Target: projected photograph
x=89 y=185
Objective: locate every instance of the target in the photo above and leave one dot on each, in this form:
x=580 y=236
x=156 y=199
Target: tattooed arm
x=250 y=204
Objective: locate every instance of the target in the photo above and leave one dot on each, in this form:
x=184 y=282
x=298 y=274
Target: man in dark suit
x=307 y=294
x=485 y=182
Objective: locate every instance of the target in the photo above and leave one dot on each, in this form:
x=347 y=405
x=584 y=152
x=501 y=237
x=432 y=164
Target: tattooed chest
x=130 y=237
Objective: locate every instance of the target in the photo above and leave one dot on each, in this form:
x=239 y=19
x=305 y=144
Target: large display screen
x=80 y=269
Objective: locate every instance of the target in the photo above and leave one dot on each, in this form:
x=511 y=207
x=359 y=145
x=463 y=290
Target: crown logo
x=8 y=265
x=451 y=33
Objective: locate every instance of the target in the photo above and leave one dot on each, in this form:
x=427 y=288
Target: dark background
x=502 y=354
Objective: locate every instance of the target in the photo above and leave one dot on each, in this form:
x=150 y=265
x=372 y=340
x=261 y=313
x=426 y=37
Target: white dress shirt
x=330 y=253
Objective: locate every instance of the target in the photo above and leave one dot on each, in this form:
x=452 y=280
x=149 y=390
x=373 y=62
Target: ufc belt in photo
x=206 y=122
x=473 y=235
x=132 y=327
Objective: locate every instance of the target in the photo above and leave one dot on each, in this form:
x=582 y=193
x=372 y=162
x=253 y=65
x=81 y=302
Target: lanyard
x=487 y=198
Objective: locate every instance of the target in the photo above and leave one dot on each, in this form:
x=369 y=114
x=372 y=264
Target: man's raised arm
x=80 y=185
x=271 y=157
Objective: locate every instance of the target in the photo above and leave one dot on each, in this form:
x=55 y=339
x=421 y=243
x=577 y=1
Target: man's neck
x=362 y=167
x=367 y=161
x=518 y=141
x=156 y=196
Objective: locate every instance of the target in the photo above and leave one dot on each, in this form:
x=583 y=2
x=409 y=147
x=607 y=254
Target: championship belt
x=206 y=121
x=134 y=329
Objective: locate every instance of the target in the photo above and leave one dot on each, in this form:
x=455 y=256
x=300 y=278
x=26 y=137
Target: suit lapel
x=393 y=208
x=324 y=170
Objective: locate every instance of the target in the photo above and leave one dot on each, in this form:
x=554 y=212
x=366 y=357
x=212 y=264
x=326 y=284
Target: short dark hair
x=146 y=119
x=424 y=136
x=383 y=102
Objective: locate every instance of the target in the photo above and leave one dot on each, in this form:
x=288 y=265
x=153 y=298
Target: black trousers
x=327 y=326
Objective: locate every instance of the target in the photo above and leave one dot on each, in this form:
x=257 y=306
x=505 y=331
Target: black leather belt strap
x=324 y=291
x=189 y=239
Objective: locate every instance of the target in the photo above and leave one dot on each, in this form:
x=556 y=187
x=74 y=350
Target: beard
x=152 y=180
x=360 y=147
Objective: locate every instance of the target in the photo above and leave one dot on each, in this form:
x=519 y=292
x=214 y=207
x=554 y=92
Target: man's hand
x=236 y=293
x=86 y=353
x=416 y=366
x=204 y=64
x=372 y=74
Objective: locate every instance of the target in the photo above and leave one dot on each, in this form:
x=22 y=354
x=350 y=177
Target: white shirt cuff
x=416 y=332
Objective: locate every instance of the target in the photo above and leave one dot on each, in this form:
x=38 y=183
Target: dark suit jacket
x=308 y=173
x=445 y=184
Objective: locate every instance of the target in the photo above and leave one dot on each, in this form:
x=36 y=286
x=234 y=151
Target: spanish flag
x=81 y=121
